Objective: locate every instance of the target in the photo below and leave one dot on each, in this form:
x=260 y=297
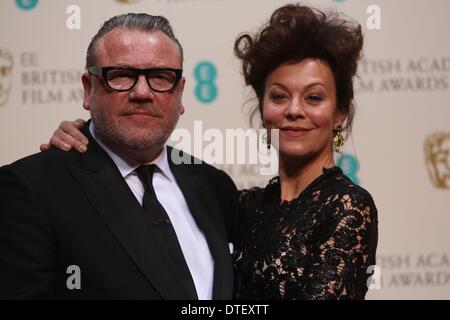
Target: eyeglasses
x=124 y=79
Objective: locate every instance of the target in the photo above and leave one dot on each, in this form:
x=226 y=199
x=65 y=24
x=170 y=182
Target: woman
x=310 y=233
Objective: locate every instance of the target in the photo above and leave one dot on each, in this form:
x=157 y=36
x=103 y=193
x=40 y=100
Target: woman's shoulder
x=350 y=199
x=338 y=192
x=250 y=197
x=347 y=188
x=335 y=182
x=254 y=196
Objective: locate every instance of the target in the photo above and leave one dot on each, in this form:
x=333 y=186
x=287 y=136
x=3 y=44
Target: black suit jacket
x=59 y=209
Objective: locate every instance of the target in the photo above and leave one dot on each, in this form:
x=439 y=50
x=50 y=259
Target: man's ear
x=181 y=88
x=87 y=85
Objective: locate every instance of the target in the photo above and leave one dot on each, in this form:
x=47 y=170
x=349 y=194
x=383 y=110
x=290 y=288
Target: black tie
x=163 y=227
x=150 y=202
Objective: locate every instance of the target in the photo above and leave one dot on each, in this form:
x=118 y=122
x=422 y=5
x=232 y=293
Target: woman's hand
x=68 y=136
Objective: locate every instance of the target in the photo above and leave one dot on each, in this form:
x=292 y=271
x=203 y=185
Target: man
x=121 y=220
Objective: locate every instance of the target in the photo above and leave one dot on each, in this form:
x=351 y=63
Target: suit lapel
x=116 y=204
x=204 y=208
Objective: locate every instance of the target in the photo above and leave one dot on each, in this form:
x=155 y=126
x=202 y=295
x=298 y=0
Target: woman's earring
x=338 y=140
x=266 y=139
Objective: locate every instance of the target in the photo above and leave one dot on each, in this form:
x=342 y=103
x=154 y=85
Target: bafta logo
x=437 y=157
x=6 y=66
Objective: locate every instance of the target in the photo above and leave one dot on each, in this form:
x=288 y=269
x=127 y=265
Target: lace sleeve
x=340 y=263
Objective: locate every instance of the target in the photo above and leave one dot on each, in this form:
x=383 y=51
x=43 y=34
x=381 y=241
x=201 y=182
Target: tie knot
x=145 y=174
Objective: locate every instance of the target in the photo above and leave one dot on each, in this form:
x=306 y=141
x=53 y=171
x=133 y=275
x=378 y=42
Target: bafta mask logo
x=437 y=157
x=6 y=66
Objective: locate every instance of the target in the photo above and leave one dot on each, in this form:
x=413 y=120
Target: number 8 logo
x=205 y=73
x=350 y=166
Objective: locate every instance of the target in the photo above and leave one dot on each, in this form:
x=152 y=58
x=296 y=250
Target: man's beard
x=116 y=133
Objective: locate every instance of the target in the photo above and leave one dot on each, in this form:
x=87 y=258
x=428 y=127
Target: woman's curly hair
x=296 y=32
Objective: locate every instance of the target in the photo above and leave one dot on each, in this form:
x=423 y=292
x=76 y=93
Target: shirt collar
x=161 y=161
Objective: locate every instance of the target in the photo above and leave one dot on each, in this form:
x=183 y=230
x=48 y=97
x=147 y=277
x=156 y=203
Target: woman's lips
x=295 y=131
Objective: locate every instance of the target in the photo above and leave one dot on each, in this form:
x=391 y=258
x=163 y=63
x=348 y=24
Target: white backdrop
x=400 y=149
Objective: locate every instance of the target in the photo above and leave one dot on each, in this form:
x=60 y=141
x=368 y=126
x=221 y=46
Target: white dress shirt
x=191 y=239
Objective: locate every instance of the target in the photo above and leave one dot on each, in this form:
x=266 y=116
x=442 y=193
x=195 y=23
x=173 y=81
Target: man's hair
x=132 y=21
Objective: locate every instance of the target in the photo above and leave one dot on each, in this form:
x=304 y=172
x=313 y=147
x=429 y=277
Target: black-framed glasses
x=124 y=79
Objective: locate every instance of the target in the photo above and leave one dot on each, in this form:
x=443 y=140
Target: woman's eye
x=278 y=96
x=314 y=98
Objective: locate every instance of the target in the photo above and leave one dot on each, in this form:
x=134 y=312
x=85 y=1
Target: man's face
x=139 y=120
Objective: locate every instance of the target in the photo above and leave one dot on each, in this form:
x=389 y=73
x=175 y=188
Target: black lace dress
x=317 y=246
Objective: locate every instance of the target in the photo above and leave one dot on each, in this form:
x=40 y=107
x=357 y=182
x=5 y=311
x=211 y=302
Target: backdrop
x=399 y=150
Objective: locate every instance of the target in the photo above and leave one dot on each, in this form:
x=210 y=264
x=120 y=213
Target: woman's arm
x=339 y=269
x=68 y=136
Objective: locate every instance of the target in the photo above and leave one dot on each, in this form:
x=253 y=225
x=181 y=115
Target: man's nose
x=141 y=90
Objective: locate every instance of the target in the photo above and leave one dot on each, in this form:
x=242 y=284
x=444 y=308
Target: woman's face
x=300 y=100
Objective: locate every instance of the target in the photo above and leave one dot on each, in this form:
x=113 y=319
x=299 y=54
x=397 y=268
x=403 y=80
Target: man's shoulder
x=213 y=174
x=42 y=163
